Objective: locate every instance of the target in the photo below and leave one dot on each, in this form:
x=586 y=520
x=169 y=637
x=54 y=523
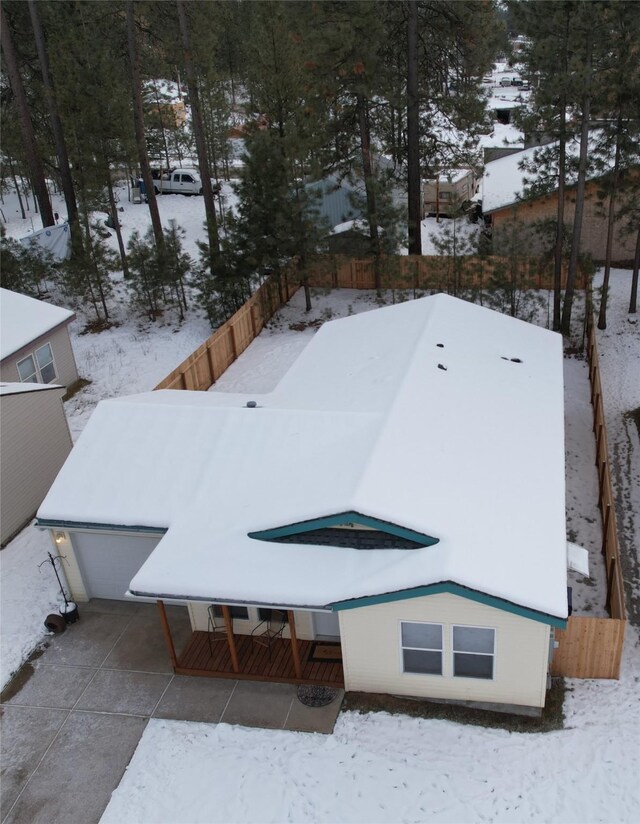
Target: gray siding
x=35 y=442
x=63 y=358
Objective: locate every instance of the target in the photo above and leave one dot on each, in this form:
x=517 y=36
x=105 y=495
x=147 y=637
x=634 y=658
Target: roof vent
x=251 y=404
x=442 y=366
x=516 y=360
x=440 y=345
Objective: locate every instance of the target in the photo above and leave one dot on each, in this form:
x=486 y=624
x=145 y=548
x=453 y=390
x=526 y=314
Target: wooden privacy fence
x=589 y=648
x=432 y=273
x=204 y=366
x=592 y=647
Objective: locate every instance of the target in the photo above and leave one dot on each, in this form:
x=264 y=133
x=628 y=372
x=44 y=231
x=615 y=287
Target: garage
x=107 y=562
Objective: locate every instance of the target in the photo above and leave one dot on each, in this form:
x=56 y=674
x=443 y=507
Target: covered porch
x=288 y=660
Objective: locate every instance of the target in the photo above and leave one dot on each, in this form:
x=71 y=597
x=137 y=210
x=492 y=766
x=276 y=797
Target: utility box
x=136 y=196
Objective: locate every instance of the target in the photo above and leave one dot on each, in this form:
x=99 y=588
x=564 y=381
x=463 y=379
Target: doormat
x=323 y=653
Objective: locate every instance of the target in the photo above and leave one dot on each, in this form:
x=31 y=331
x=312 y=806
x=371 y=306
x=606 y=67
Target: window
x=473 y=652
x=421 y=648
x=38 y=369
x=44 y=356
x=27 y=370
x=242 y=613
x=445 y=195
x=187 y=179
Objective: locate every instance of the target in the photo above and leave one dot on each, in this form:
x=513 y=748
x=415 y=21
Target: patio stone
x=26 y=733
x=259 y=704
x=53 y=686
x=75 y=780
x=143 y=647
x=314 y=719
x=88 y=641
x=135 y=693
x=195 y=699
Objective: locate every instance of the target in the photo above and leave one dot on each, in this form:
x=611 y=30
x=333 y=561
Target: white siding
x=372 y=655
x=63 y=358
x=70 y=566
x=199 y=621
x=35 y=442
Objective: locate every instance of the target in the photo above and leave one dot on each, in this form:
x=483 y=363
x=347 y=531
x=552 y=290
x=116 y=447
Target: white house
x=35 y=442
x=34 y=341
x=400 y=494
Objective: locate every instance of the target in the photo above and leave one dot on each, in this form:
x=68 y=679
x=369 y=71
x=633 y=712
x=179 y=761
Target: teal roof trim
x=453 y=589
x=342 y=518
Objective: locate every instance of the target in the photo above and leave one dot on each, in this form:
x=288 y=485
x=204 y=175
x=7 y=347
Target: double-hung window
x=421 y=648
x=473 y=652
x=38 y=367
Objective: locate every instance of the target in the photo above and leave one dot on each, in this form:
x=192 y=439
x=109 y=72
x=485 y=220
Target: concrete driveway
x=72 y=719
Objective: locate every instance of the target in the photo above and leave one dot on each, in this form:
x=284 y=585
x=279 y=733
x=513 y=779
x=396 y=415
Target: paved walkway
x=72 y=719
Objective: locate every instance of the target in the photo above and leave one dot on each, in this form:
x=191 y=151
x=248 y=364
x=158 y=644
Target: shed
x=35 y=346
x=399 y=496
x=35 y=442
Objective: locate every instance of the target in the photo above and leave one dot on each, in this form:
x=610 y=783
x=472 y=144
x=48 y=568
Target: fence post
x=605 y=531
x=610 y=571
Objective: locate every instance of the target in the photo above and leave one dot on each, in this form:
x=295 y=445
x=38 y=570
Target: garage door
x=109 y=562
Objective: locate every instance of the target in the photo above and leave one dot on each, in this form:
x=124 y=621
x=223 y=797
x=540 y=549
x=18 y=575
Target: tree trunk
x=56 y=126
x=198 y=133
x=633 y=302
x=580 y=191
x=413 y=135
x=602 y=315
x=138 y=119
x=369 y=185
x=116 y=225
x=17 y=188
x=26 y=125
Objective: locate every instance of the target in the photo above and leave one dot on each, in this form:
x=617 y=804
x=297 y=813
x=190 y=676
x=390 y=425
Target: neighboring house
x=503 y=204
x=35 y=442
x=449 y=192
x=334 y=200
x=400 y=494
x=34 y=341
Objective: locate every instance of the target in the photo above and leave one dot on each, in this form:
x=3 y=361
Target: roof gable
x=24 y=319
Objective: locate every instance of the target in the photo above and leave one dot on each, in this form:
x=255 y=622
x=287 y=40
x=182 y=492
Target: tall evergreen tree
x=26 y=124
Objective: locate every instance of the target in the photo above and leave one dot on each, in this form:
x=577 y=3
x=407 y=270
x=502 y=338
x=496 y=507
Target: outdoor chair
x=270 y=629
x=216 y=628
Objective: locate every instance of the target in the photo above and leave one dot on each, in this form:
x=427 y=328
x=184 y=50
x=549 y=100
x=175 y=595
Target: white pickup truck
x=176 y=182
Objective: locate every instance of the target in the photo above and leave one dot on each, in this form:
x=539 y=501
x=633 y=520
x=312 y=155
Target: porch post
x=167 y=634
x=294 y=644
x=228 y=625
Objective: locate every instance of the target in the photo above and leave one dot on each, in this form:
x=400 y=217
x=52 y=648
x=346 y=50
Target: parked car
x=506 y=81
x=515 y=81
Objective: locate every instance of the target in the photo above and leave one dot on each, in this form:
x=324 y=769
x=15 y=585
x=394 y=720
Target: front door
x=326 y=625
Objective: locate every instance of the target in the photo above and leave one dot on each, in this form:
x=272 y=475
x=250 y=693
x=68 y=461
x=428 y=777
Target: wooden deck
x=254 y=663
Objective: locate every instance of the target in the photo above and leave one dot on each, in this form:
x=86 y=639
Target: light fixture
x=59 y=538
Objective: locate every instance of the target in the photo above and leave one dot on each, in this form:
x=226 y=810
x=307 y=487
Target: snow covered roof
x=23 y=388
x=24 y=319
x=435 y=415
x=504 y=181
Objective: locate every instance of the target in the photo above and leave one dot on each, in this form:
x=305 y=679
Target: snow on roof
x=22 y=388
x=504 y=181
x=435 y=415
x=451 y=175
x=24 y=319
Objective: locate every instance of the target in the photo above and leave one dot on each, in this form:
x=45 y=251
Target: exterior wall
x=199 y=621
x=594 y=225
x=63 y=358
x=372 y=655
x=35 y=443
x=432 y=195
x=69 y=566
